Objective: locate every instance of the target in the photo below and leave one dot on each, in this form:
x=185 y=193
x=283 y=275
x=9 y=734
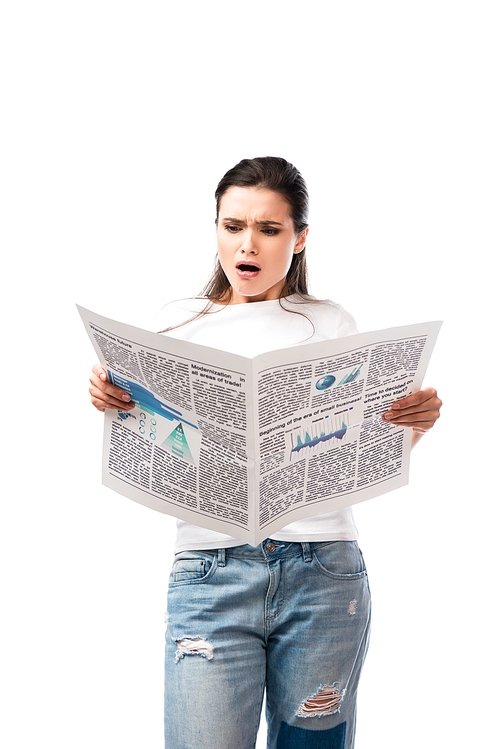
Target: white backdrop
x=119 y=118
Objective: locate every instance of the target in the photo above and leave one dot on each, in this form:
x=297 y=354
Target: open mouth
x=247 y=270
x=246 y=266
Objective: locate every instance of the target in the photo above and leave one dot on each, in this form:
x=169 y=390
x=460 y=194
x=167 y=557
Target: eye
x=271 y=232
x=232 y=229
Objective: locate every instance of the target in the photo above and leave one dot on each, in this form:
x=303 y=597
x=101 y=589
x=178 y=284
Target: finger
x=426 y=406
x=416 y=420
x=415 y=399
x=100 y=372
x=109 y=389
x=108 y=396
x=101 y=402
x=420 y=426
x=418 y=403
x=417 y=412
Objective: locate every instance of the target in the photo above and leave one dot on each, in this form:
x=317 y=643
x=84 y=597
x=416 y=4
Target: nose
x=248 y=246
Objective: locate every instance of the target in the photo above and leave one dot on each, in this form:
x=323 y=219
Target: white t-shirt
x=249 y=330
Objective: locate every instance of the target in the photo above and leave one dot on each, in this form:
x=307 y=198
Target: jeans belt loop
x=221 y=557
x=306 y=551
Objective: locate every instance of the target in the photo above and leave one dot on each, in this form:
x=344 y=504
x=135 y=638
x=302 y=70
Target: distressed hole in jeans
x=352 y=608
x=193 y=646
x=326 y=701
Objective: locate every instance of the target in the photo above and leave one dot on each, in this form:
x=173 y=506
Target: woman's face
x=256 y=242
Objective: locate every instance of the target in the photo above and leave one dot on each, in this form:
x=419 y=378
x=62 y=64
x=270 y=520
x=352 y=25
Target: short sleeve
x=347 y=324
x=333 y=320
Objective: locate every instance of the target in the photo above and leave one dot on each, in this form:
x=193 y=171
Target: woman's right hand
x=105 y=395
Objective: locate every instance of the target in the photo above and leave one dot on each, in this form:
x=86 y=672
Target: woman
x=292 y=615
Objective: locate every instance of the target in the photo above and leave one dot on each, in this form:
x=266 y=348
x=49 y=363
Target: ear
x=301 y=241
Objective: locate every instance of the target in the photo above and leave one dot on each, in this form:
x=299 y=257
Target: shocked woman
x=289 y=618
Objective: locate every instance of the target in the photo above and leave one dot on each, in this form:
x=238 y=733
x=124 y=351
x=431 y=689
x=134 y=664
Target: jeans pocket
x=192 y=567
x=339 y=560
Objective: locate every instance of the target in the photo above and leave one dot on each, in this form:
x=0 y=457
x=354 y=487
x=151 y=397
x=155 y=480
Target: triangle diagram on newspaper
x=176 y=443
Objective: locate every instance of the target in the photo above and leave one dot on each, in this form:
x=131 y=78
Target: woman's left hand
x=420 y=411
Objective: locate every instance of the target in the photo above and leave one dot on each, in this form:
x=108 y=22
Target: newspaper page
x=321 y=439
x=246 y=446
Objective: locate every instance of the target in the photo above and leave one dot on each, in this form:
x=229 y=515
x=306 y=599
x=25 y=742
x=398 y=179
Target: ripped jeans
x=290 y=619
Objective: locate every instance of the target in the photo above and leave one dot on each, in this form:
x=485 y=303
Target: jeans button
x=270 y=547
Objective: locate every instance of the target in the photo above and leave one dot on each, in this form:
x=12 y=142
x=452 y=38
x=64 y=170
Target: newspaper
x=246 y=446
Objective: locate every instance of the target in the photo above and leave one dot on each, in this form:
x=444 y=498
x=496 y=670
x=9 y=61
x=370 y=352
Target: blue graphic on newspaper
x=328 y=380
x=324 y=434
x=181 y=441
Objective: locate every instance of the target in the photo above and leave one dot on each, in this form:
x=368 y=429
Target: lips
x=246 y=269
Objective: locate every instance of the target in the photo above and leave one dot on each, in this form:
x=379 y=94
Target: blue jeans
x=289 y=618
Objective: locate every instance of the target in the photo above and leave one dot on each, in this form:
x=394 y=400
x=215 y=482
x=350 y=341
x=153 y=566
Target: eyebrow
x=264 y=222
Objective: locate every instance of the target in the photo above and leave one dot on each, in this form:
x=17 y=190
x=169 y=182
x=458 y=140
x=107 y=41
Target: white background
x=118 y=120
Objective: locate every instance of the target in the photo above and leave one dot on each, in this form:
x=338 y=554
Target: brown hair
x=270 y=173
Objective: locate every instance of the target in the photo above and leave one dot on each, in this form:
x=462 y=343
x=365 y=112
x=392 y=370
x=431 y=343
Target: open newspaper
x=246 y=446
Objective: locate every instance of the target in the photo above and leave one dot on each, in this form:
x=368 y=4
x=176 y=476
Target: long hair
x=270 y=173
x=278 y=175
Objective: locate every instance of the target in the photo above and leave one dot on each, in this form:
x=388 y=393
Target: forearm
x=416 y=437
